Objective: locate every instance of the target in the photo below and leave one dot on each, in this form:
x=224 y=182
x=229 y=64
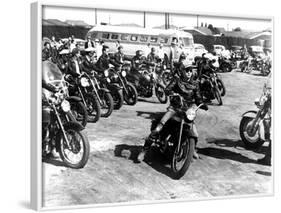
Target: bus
x=136 y=38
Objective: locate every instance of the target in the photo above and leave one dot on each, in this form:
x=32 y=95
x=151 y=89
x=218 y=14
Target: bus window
x=153 y=39
x=105 y=35
x=124 y=37
x=93 y=35
x=143 y=38
x=114 y=36
x=164 y=40
x=134 y=38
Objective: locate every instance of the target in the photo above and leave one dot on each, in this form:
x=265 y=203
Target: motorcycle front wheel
x=160 y=94
x=106 y=104
x=221 y=87
x=252 y=141
x=181 y=160
x=79 y=112
x=75 y=155
x=132 y=97
x=217 y=95
x=93 y=107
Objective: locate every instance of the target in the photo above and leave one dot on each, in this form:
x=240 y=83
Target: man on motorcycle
x=104 y=60
x=88 y=64
x=183 y=84
x=119 y=56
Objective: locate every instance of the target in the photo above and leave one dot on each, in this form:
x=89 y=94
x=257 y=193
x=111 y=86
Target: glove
x=204 y=107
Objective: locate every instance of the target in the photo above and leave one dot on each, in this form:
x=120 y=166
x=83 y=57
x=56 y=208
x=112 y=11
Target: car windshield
x=188 y=42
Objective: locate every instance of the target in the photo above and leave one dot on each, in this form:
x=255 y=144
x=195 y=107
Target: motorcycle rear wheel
x=221 y=87
x=79 y=112
x=82 y=148
x=181 y=161
x=253 y=142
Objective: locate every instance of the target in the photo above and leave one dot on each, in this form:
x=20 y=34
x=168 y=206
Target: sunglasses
x=189 y=71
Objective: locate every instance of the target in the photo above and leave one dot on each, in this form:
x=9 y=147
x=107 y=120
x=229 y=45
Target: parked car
x=220 y=50
x=236 y=52
x=199 y=49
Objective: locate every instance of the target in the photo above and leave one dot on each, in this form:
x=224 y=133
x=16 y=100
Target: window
x=153 y=39
x=105 y=35
x=134 y=38
x=114 y=36
x=124 y=37
x=143 y=38
x=188 y=42
x=164 y=40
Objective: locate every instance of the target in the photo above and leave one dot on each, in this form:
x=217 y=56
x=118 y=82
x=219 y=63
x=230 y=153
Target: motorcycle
x=108 y=80
x=226 y=65
x=129 y=91
x=255 y=124
x=60 y=130
x=148 y=82
x=91 y=85
x=177 y=138
x=212 y=87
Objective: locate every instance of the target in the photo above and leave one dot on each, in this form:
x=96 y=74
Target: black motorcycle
x=212 y=87
x=109 y=80
x=61 y=132
x=226 y=65
x=177 y=138
x=149 y=82
x=129 y=91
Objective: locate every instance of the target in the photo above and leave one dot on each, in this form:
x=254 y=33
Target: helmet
x=139 y=53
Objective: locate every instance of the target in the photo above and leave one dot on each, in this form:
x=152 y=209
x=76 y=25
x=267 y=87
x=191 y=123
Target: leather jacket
x=104 y=61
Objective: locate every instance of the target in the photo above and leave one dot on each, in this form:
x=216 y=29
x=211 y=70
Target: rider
x=88 y=64
x=183 y=84
x=104 y=60
x=119 y=56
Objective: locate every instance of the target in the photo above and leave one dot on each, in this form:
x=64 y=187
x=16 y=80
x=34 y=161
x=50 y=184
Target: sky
x=152 y=19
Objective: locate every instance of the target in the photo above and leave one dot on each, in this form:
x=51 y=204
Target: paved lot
x=112 y=175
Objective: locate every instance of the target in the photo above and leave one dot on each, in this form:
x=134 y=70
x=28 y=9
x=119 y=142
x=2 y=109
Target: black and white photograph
x=154 y=106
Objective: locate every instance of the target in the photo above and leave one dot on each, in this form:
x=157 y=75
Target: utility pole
x=144 y=21
x=96 y=16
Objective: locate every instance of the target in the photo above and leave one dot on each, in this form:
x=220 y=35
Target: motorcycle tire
x=221 y=87
x=187 y=150
x=70 y=131
x=93 y=107
x=218 y=96
x=79 y=111
x=132 y=97
x=226 y=67
x=118 y=98
x=107 y=104
x=248 y=142
x=160 y=94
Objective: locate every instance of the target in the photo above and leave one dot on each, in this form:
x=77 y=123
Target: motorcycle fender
x=74 y=98
x=104 y=90
x=73 y=125
x=115 y=86
x=250 y=114
x=192 y=131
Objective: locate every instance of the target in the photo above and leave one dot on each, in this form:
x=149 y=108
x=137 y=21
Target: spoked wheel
x=181 y=160
x=77 y=153
x=79 y=112
x=221 y=87
x=93 y=107
x=250 y=138
x=118 y=98
x=160 y=94
x=132 y=97
x=218 y=96
x=106 y=103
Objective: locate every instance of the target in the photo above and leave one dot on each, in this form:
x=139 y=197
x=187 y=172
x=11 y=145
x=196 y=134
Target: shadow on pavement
x=54 y=161
x=153 y=158
x=150 y=115
x=238 y=144
x=263 y=173
x=225 y=154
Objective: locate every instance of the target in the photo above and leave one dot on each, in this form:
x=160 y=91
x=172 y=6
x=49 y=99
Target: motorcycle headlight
x=123 y=73
x=65 y=106
x=106 y=73
x=84 y=82
x=108 y=80
x=190 y=114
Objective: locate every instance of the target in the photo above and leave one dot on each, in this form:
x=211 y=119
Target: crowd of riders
x=94 y=56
